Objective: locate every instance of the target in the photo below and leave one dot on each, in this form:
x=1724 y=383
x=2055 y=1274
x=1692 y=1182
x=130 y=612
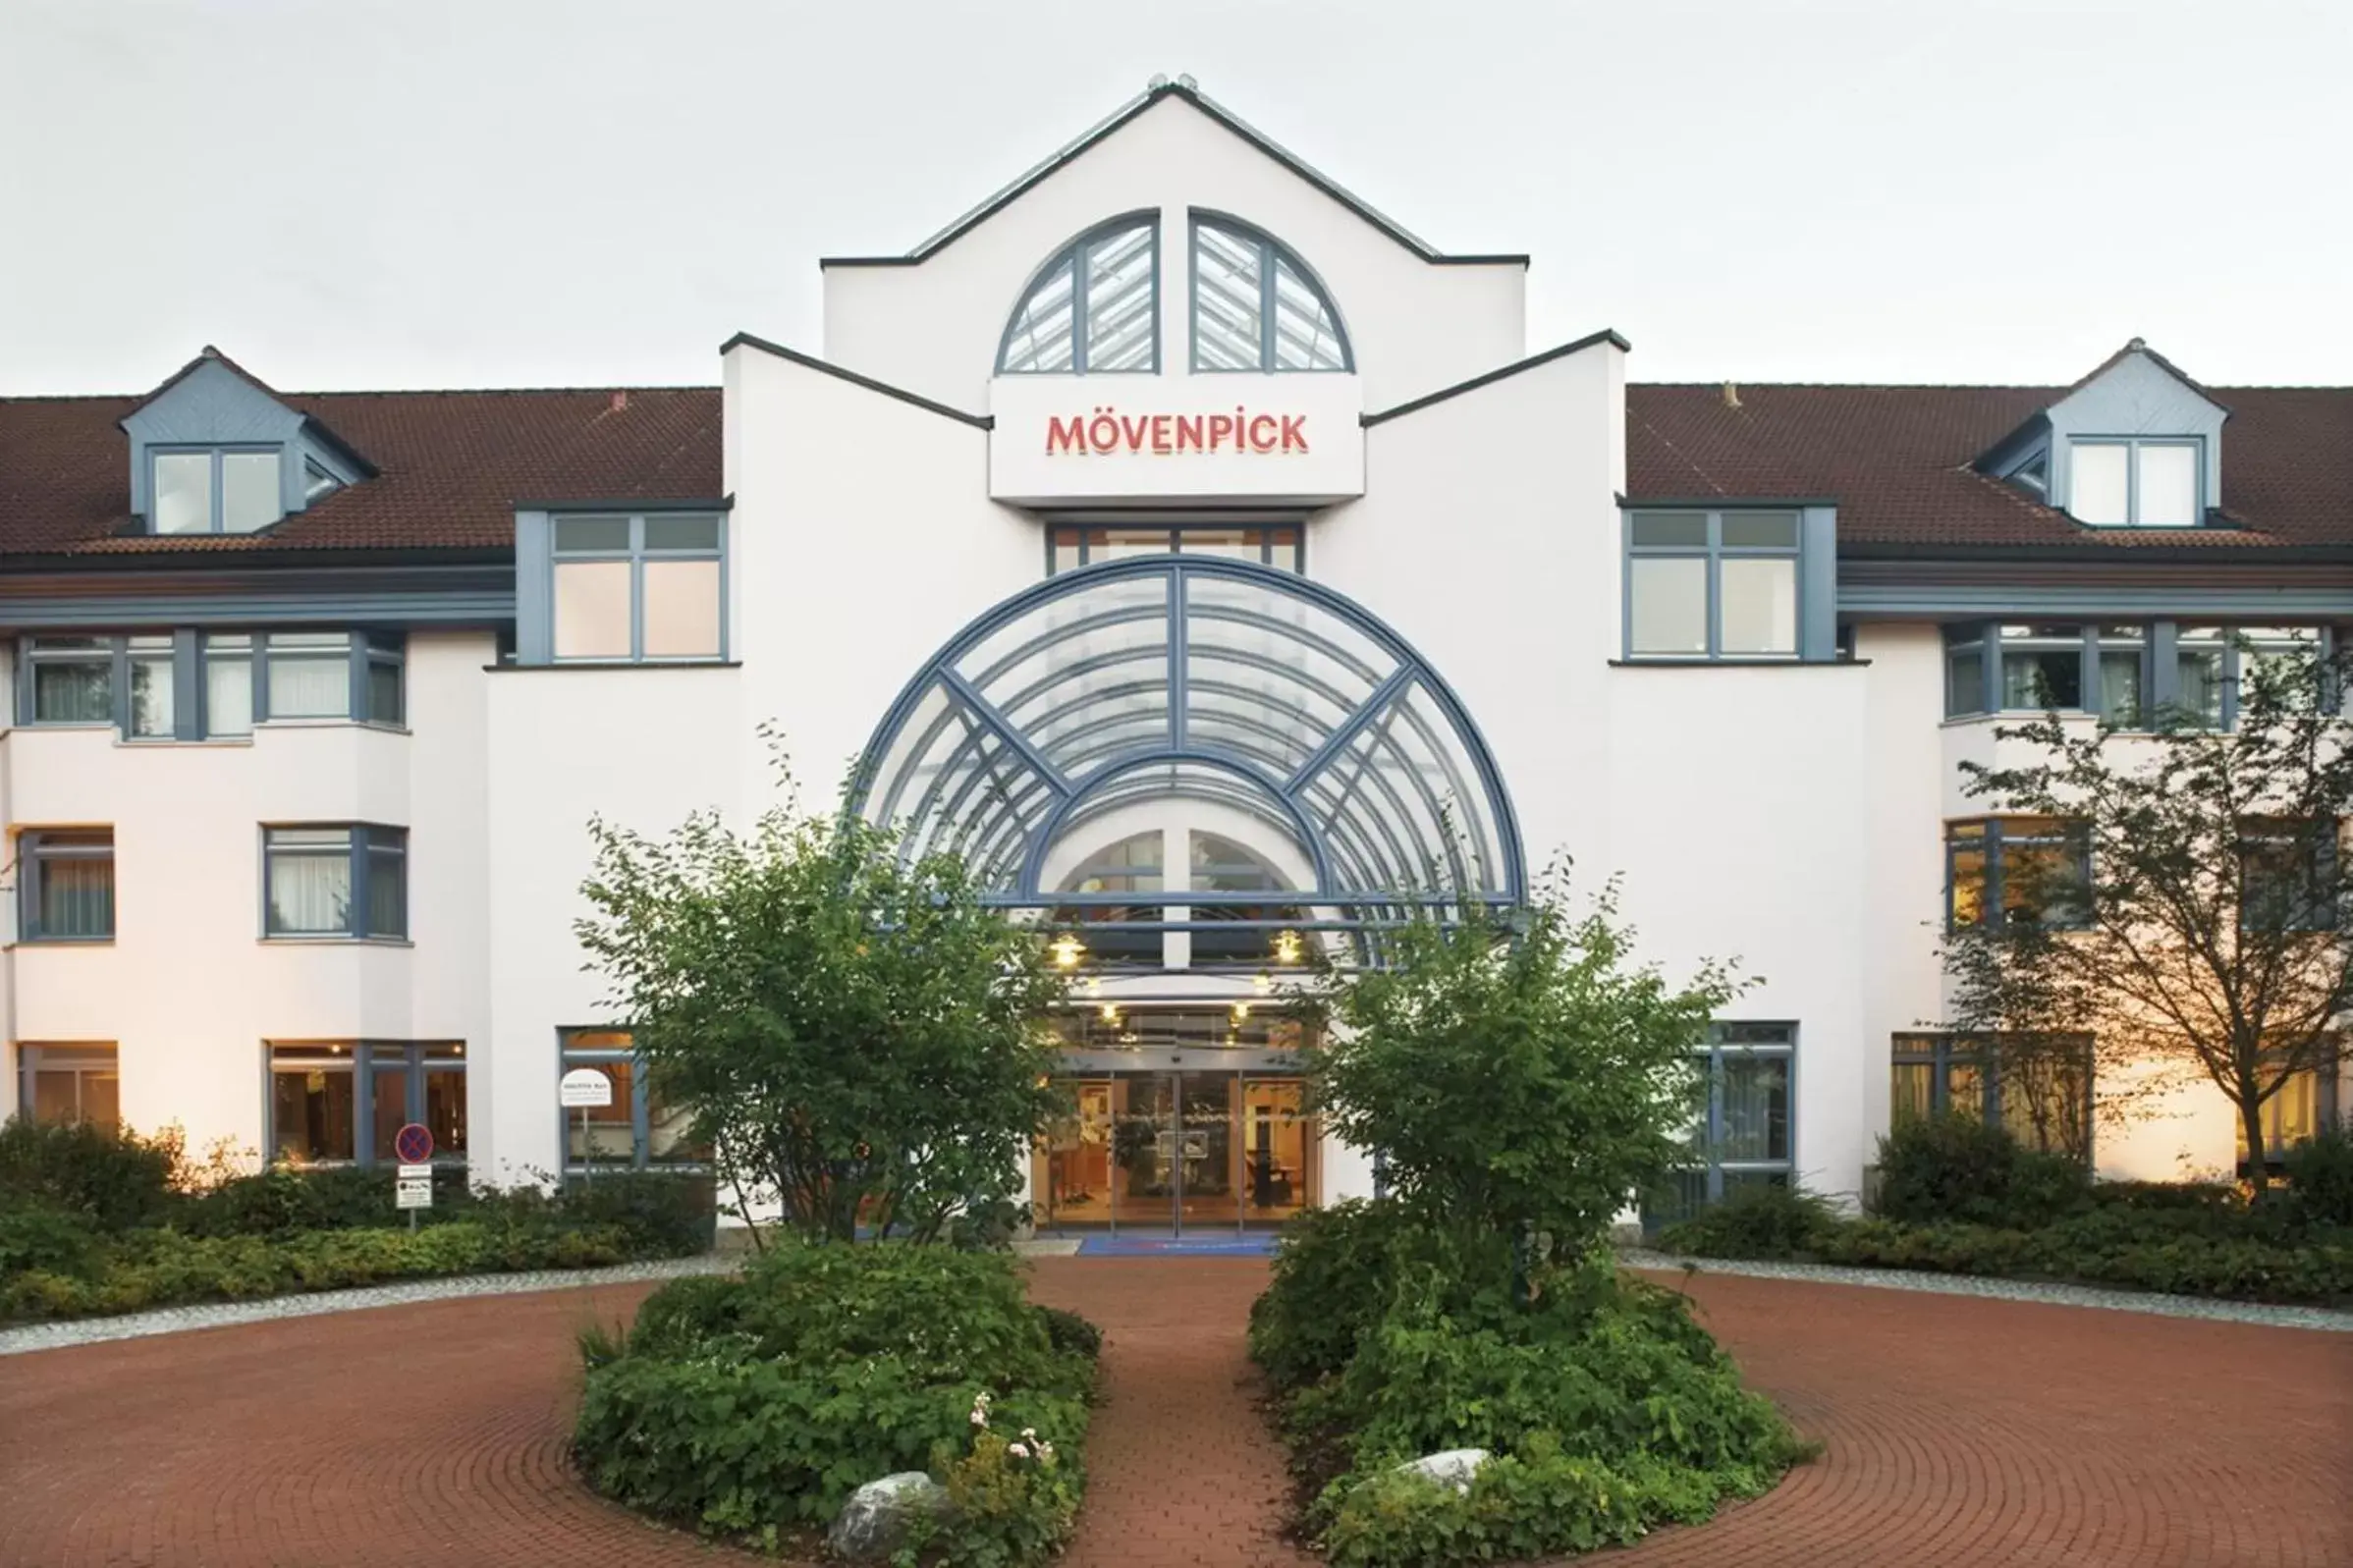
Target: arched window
x=1256 y=306
x=1093 y=306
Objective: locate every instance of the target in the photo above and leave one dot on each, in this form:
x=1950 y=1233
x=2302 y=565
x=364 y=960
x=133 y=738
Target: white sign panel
x=1233 y=438
x=585 y=1088
x=414 y=1193
x=417 y=1172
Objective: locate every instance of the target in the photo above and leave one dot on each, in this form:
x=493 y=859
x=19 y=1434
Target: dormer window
x=317 y=482
x=215 y=490
x=2135 y=483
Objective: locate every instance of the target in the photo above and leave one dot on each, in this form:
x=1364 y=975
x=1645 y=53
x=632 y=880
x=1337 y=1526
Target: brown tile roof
x=1897 y=460
x=452 y=465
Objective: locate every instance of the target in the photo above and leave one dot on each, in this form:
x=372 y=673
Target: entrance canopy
x=1260 y=695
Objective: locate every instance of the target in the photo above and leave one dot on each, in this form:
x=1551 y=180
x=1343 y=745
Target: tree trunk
x=2259 y=1174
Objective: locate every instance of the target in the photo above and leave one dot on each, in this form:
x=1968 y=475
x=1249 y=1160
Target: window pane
x=2169 y=486
x=1228 y=306
x=682 y=609
x=1066 y=550
x=391 y=1079
x=1119 y=302
x=249 y=491
x=602 y=1134
x=1670 y=610
x=1965 y=681
x=1039 y=338
x=606 y=535
x=387 y=892
x=1759 y=606
x=1282 y=551
x=384 y=691
x=1909 y=1092
x=2102 y=489
x=1306 y=337
x=1966 y=869
x=310 y=886
x=1114 y=544
x=682 y=533
x=2042 y=678
x=184 y=492
x=1235 y=544
x=228 y=690
x=310 y=685
x=2121 y=686
x=74 y=892
x=1772 y=530
x=445 y=1110
x=1685 y=530
x=2200 y=668
x=311 y=1114
x=73 y=691
x=666 y=1134
x=317 y=483
x=1756 y=1107
x=151 y=712
x=592 y=610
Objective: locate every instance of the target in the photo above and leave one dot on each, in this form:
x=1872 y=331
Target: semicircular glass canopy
x=1220 y=682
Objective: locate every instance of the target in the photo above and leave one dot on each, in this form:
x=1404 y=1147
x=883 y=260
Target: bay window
x=1999 y=869
x=342 y=1101
x=65 y=884
x=186 y=685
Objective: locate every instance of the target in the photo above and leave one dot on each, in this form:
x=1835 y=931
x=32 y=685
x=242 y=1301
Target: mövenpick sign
x=1107 y=431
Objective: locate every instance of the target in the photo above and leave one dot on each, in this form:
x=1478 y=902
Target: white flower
x=1030 y=1433
x=1045 y=1450
x=1018 y=1450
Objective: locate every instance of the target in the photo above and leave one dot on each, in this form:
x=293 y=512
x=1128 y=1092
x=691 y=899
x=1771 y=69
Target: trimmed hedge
x=1606 y=1407
x=752 y=1406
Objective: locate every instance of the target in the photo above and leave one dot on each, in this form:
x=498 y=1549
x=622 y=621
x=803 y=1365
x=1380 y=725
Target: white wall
x=934 y=327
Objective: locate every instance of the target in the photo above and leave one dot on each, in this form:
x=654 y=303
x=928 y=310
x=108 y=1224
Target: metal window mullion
x=1078 y=293
x=355 y=919
x=640 y=1118
x=1265 y=308
x=1179 y=646
x=1715 y=576
x=220 y=523
x=1714 y=1124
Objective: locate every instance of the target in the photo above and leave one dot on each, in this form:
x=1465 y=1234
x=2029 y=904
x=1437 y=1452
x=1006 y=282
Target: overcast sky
x=420 y=193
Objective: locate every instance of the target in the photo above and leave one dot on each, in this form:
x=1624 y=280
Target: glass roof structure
x=1222 y=682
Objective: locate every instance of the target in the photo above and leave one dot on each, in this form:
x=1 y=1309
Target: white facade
x=1785 y=815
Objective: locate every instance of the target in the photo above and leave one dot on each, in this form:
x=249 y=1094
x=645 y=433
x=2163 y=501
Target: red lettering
x=1159 y=433
x=1188 y=432
x=1135 y=430
x=1261 y=432
x=1221 y=428
x=1294 y=432
x=1060 y=437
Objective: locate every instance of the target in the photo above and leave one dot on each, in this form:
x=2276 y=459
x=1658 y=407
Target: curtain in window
x=387 y=892
x=151 y=706
x=1756 y=1109
x=76 y=896
x=311 y=686
x=228 y=687
x=310 y=892
x=79 y=692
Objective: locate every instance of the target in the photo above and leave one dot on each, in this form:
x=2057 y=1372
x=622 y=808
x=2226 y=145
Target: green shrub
x=43 y=1236
x=2320 y=1178
x=660 y=1214
x=1959 y=1167
x=118 y=1178
x=1756 y=1222
x=754 y=1405
x=1335 y=1276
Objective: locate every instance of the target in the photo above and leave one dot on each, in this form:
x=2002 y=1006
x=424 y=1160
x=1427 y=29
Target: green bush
x=1959 y=1167
x=2320 y=1178
x=1757 y=1221
x=118 y=1178
x=1606 y=1407
x=40 y=1235
x=1070 y=1333
x=660 y=1214
x=752 y=1406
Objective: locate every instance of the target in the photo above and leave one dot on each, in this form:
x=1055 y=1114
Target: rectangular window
x=1712 y=584
x=2033 y=666
x=1743 y=1128
x=347 y=880
x=343 y=1101
x=71 y=681
x=70 y=1083
x=1070 y=548
x=153 y=713
x=2287 y=875
x=216 y=491
x=66 y=878
x=2040 y=1088
x=228 y=685
x=2303 y=1107
x=2135 y=483
x=2211 y=663
x=646 y=588
x=309 y=675
x=637 y=1130
x=2017 y=869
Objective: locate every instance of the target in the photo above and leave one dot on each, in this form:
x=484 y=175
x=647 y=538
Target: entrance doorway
x=1170 y=1132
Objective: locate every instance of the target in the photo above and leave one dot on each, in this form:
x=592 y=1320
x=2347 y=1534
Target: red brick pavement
x=1960 y=1431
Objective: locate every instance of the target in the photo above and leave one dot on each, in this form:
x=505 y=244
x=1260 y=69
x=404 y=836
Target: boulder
x=1453 y=1468
x=874 y=1522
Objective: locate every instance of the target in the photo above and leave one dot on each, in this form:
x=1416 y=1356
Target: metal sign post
x=587 y=1089
x=412 y=1189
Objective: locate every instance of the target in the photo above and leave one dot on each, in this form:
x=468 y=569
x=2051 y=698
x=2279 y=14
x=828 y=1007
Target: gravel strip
x=222 y=1313
x=2262 y=1314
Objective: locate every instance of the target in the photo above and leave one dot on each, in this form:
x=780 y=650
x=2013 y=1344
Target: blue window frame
x=2005 y=870
x=230 y=489
x=2288 y=875
x=185 y=685
x=341 y=1102
x=1067 y=547
x=1093 y=307
x=1743 y=1118
x=638 y=588
x=2031 y=667
x=2137 y=481
x=2042 y=1094
x=1257 y=306
x=636 y=1131
x=1704 y=584
x=335 y=880
x=65 y=884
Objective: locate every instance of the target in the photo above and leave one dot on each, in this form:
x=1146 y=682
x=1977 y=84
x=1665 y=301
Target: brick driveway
x=1960 y=1431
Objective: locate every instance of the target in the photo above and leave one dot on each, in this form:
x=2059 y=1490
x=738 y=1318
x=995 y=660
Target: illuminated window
x=1070 y=547
x=2017 y=869
x=70 y=1083
x=2041 y=1091
x=637 y=1129
x=342 y=1101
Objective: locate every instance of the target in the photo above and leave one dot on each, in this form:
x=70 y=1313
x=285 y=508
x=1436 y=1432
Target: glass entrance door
x=1175 y=1150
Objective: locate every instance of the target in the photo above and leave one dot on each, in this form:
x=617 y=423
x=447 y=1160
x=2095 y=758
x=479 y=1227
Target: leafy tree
x=860 y=1040
x=2212 y=940
x=1528 y=1074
